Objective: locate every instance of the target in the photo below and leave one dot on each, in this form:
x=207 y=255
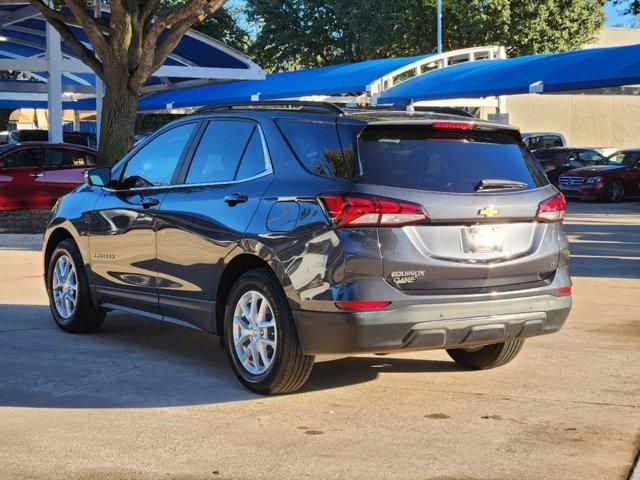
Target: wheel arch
x=53 y=239
x=235 y=267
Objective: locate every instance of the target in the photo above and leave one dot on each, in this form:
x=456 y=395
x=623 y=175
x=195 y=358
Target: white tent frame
x=57 y=64
x=423 y=67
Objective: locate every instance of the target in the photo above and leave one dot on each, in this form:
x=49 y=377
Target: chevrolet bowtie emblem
x=489 y=212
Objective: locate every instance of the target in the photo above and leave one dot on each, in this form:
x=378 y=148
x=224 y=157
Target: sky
x=614 y=17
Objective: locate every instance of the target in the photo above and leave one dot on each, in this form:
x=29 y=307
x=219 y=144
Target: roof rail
x=297 y=105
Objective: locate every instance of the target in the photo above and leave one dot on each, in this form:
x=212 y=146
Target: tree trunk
x=118 y=124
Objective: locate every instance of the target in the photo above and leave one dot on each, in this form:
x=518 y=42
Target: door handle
x=148 y=202
x=236 y=198
x=36 y=175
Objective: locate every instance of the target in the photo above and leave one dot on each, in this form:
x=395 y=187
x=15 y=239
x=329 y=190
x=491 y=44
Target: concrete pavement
x=146 y=400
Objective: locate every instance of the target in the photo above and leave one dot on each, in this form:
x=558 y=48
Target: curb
x=17 y=241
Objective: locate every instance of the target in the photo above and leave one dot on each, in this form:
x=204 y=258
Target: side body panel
x=123 y=251
x=197 y=230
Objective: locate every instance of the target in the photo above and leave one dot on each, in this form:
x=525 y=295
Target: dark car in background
x=537 y=140
x=86 y=139
x=36 y=174
x=612 y=179
x=558 y=160
x=298 y=229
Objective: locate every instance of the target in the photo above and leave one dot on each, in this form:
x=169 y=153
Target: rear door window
x=222 y=146
x=443 y=161
x=67 y=157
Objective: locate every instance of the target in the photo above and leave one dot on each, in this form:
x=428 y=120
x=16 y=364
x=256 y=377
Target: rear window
x=443 y=161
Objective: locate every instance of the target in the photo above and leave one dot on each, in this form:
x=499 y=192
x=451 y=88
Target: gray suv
x=298 y=229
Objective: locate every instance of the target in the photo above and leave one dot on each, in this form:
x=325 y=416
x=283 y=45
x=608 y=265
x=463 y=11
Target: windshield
x=622 y=159
x=445 y=161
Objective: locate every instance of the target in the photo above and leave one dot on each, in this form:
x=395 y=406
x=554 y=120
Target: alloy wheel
x=65 y=287
x=616 y=191
x=254 y=332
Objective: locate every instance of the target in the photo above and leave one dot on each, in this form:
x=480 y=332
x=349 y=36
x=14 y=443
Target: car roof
x=346 y=115
x=533 y=134
x=35 y=144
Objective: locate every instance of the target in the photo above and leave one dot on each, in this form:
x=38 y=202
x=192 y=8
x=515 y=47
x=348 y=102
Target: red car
x=36 y=174
x=612 y=179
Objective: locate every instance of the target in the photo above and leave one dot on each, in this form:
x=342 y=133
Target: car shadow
x=133 y=362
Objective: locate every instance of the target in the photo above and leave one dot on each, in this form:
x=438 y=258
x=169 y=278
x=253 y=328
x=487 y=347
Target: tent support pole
x=54 y=84
x=502 y=104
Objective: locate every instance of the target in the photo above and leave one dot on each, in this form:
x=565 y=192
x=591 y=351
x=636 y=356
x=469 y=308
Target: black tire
x=615 y=191
x=489 y=356
x=85 y=317
x=290 y=367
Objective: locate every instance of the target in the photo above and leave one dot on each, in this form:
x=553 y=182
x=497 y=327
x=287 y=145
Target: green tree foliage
x=127 y=48
x=300 y=33
x=223 y=24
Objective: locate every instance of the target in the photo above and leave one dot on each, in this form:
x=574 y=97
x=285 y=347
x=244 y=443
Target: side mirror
x=98 y=177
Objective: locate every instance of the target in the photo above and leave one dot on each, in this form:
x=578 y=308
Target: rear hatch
x=480 y=189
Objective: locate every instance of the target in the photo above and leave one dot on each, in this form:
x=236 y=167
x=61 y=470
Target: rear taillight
x=452 y=126
x=349 y=210
x=552 y=209
x=565 y=290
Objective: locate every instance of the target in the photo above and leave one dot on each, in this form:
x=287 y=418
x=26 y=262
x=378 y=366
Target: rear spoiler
x=452 y=124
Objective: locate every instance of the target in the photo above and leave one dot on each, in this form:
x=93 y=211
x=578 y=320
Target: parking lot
x=143 y=399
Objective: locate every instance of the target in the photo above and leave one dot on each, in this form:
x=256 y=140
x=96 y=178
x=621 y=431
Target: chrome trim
x=568 y=181
x=267 y=164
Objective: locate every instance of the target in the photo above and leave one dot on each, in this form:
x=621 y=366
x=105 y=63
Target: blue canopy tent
x=53 y=76
x=332 y=80
x=547 y=73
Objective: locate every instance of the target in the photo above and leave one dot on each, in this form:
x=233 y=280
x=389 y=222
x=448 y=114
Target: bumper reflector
x=565 y=290
x=362 y=305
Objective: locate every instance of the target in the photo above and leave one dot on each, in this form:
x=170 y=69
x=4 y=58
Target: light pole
x=439 y=25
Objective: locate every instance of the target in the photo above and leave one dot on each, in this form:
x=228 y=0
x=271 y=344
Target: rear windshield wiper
x=498 y=184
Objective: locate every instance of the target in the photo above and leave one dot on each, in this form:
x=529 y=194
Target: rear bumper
x=431 y=326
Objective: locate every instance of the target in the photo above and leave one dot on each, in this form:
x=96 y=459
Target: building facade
x=607 y=118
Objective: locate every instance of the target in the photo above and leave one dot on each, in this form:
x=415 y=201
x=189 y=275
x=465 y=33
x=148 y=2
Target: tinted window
x=80 y=138
x=17 y=136
x=589 y=156
x=253 y=161
x=625 y=159
x=66 y=157
x=443 y=161
x=219 y=152
x=551 y=156
x=317 y=147
x=551 y=141
x=156 y=162
x=543 y=141
x=32 y=157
